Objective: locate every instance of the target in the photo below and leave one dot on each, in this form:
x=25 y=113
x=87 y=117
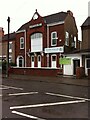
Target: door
x=32 y=61
x=53 y=62
x=39 y=61
x=76 y=63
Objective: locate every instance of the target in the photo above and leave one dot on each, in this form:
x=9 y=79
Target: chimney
x=1 y=32
x=70 y=13
x=89 y=9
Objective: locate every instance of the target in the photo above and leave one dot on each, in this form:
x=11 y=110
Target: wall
x=35 y=71
x=85 y=38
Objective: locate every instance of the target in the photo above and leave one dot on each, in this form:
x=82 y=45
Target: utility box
x=80 y=72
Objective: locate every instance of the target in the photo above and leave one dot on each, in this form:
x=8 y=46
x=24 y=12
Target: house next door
x=76 y=63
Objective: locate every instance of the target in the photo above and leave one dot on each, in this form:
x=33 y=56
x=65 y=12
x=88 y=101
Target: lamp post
x=8 y=20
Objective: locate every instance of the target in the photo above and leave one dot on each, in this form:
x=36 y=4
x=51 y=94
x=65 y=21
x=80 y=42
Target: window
x=10 y=47
x=88 y=63
x=54 y=38
x=22 y=43
x=67 y=39
x=75 y=41
x=36 y=42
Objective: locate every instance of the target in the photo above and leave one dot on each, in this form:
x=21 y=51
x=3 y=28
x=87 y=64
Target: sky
x=21 y=11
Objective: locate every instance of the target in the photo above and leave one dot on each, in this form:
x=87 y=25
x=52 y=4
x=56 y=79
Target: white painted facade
x=69 y=69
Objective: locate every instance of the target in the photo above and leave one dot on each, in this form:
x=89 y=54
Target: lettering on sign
x=36 y=25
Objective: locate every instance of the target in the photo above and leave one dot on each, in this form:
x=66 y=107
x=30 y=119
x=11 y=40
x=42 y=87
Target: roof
x=81 y=51
x=87 y=22
x=57 y=17
x=12 y=36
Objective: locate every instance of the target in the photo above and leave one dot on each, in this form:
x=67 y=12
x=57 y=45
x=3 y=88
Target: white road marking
x=0 y=95
x=67 y=96
x=8 y=87
x=26 y=115
x=4 y=88
x=17 y=94
x=48 y=104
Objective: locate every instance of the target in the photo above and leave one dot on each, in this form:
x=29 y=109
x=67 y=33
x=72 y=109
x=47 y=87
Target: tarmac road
x=42 y=100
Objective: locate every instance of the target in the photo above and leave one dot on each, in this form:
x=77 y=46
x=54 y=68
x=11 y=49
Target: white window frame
x=75 y=41
x=10 y=47
x=53 y=38
x=21 y=42
x=67 y=38
x=32 y=61
x=36 y=42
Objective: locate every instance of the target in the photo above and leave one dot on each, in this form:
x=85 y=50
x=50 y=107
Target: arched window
x=20 y=61
x=36 y=42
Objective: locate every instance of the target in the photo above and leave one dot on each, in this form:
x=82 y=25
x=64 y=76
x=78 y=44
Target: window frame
x=54 y=38
x=67 y=38
x=21 y=43
x=10 y=47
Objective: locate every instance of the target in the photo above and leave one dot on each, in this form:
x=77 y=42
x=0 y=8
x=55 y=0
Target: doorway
x=76 y=63
x=39 y=61
x=53 y=61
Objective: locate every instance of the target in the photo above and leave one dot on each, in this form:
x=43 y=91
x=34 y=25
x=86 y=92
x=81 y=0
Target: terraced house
x=41 y=41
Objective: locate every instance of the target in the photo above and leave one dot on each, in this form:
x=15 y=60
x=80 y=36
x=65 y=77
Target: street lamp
x=8 y=47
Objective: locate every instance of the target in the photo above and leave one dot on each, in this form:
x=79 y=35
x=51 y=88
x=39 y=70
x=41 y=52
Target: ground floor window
x=32 y=61
x=88 y=63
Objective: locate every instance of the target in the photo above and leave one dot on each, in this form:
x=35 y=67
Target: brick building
x=80 y=59
x=3 y=55
x=41 y=41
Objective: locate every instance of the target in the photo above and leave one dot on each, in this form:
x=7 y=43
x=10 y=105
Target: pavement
x=58 y=79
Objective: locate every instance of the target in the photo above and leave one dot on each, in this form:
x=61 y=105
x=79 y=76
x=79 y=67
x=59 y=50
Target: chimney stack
x=1 y=32
x=70 y=13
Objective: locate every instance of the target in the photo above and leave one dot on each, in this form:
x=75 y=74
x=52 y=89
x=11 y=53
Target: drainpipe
x=47 y=45
x=25 y=47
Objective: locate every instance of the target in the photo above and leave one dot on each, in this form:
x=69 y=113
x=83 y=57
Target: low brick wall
x=35 y=71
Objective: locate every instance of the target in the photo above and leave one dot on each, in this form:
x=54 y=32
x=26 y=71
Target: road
x=43 y=100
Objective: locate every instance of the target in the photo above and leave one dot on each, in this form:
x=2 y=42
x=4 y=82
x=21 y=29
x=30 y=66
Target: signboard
x=65 y=61
x=36 y=25
x=54 y=50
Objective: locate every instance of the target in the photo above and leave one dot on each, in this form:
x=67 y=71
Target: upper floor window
x=36 y=42
x=22 y=43
x=54 y=38
x=10 y=47
x=75 y=42
x=66 y=38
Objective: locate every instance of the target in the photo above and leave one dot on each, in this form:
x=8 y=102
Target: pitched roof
x=87 y=22
x=12 y=36
x=57 y=17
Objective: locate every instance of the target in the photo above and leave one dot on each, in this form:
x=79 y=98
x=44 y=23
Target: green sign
x=65 y=61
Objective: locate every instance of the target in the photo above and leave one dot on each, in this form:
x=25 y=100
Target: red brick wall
x=18 y=51
x=35 y=71
x=60 y=34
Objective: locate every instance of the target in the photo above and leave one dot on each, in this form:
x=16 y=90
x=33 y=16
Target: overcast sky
x=21 y=11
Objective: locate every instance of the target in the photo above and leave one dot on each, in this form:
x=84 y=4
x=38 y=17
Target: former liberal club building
x=42 y=41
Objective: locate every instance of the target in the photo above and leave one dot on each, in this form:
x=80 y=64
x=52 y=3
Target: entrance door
x=53 y=62
x=32 y=61
x=76 y=63
x=39 y=61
